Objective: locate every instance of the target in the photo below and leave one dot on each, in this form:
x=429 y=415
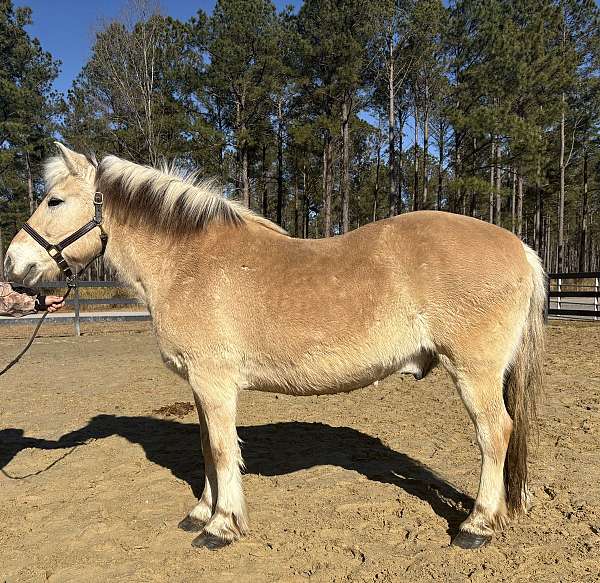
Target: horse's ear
x=77 y=164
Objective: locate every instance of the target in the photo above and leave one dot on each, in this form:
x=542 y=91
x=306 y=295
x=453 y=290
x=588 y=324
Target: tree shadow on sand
x=270 y=450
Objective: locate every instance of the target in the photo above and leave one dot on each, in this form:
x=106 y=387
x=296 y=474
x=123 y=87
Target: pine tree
x=28 y=106
x=124 y=101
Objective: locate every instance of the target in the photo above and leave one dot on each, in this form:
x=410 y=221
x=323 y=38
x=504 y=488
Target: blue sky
x=66 y=27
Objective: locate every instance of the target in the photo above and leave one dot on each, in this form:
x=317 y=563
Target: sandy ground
x=362 y=487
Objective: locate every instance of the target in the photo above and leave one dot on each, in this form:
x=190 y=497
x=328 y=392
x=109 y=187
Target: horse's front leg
x=218 y=400
x=201 y=513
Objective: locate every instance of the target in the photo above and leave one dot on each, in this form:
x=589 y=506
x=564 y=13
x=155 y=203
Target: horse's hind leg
x=228 y=522
x=480 y=388
x=202 y=512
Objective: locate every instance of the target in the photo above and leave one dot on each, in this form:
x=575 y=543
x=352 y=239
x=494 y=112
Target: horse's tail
x=522 y=385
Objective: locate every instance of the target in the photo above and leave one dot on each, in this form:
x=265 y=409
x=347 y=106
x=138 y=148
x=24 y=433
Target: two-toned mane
x=170 y=197
x=238 y=305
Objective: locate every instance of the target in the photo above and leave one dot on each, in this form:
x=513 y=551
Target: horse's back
x=428 y=251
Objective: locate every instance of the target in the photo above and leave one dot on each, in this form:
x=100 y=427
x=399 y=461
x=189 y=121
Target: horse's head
x=68 y=204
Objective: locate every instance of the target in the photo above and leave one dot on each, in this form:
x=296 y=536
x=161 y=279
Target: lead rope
x=73 y=283
x=33 y=337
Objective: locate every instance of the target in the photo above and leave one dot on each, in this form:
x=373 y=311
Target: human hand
x=53 y=303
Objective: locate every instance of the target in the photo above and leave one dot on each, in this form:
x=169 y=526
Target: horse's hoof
x=210 y=541
x=468 y=540
x=190 y=524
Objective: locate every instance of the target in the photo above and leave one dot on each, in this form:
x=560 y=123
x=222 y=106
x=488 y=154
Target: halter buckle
x=98 y=202
x=53 y=252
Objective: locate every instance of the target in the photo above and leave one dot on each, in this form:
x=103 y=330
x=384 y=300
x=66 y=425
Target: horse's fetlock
x=201 y=512
x=477 y=523
x=229 y=526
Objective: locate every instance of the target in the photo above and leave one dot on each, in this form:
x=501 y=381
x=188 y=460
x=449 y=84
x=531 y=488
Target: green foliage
x=27 y=109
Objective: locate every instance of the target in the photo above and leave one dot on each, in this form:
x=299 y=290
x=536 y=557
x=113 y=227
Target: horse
x=237 y=303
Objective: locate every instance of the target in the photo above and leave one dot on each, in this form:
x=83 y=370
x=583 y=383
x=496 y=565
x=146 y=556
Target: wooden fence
x=574 y=295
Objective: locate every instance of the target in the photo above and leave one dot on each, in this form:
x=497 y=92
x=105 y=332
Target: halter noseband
x=55 y=249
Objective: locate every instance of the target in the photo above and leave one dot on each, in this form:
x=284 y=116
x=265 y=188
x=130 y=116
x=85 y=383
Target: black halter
x=55 y=249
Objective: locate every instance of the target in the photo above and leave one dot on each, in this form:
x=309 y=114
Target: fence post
x=76 y=303
x=559 y=289
x=547 y=304
x=596 y=302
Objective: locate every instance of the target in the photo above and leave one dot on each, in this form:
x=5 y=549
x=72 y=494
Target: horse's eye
x=54 y=201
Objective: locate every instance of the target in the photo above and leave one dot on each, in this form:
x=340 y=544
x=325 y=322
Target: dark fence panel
x=565 y=302
x=76 y=302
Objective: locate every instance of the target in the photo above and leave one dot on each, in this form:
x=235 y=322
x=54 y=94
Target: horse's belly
x=325 y=381
x=337 y=379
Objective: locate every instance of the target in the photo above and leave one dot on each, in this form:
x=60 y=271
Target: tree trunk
x=491 y=200
x=399 y=165
x=561 y=195
x=242 y=151
x=296 y=206
x=537 y=235
x=265 y=196
x=305 y=216
x=474 y=193
x=221 y=147
x=245 y=181
x=377 y=168
x=513 y=200
x=473 y=204
x=280 y=164
x=583 y=235
x=459 y=204
x=327 y=186
x=440 y=167
x=498 y=210
x=392 y=134
x=415 y=201
x=345 y=181
x=520 y=205
x=425 y=148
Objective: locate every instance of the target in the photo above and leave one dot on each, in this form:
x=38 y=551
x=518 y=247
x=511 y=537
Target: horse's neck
x=150 y=261
x=139 y=257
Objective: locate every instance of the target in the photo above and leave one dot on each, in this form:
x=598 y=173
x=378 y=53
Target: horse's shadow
x=270 y=450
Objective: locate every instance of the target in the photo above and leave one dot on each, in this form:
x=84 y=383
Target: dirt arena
x=362 y=487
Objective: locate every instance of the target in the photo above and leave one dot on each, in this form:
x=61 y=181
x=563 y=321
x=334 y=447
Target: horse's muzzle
x=20 y=269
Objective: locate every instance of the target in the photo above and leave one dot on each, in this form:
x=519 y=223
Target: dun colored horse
x=238 y=304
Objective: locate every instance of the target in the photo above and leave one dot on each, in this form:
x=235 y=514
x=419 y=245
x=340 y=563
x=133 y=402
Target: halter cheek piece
x=55 y=249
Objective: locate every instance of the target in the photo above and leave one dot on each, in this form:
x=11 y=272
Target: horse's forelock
x=56 y=171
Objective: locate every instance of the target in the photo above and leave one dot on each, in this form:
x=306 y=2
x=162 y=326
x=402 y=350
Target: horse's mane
x=170 y=198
